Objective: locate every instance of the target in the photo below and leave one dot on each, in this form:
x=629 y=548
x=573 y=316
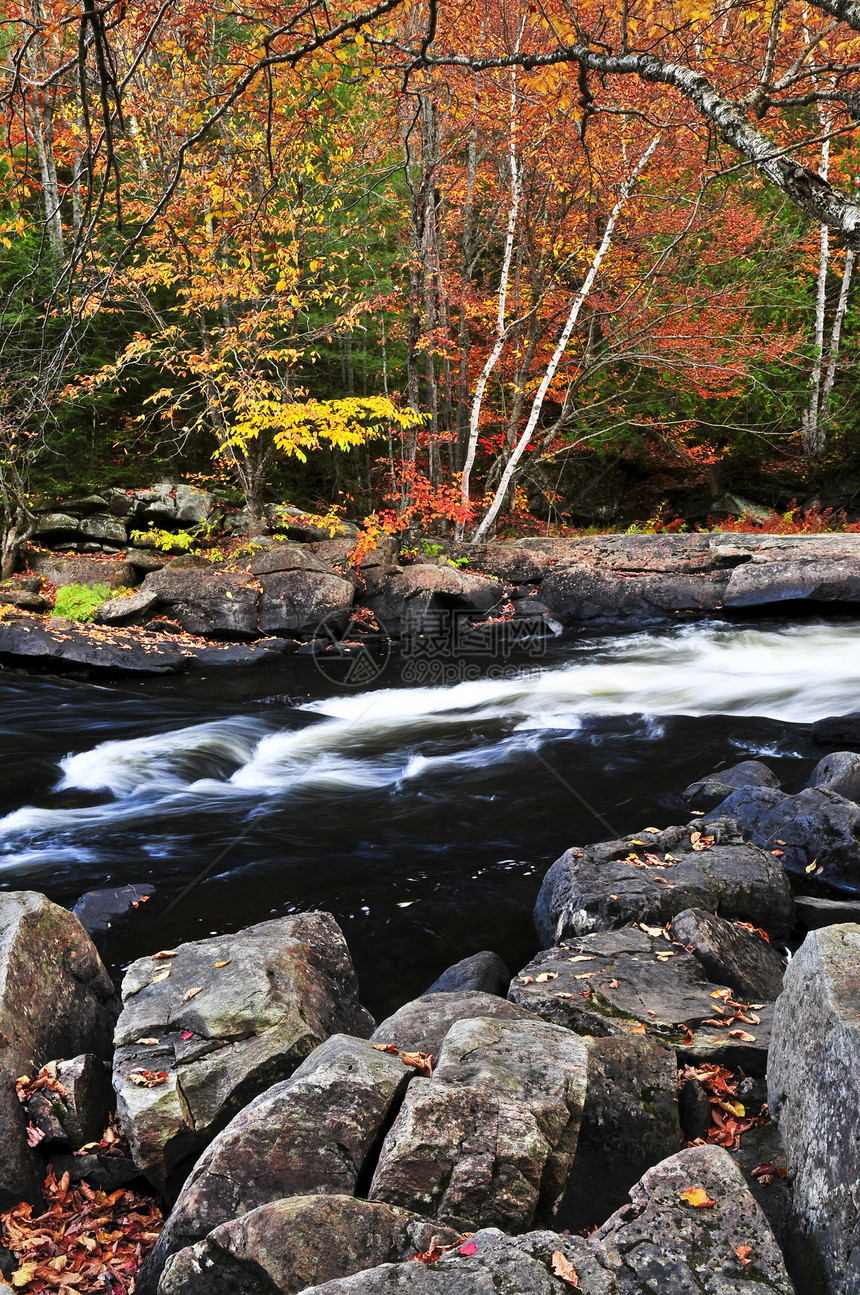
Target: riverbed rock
x=812 y=912
x=315 y=1133
x=814 y=826
x=731 y=954
x=834 y=579
x=55 y=1000
x=709 y=791
x=615 y=883
x=225 y=1033
x=421 y=1025
x=584 y=593
x=611 y=982
x=302 y=601
x=401 y=599
x=483 y=972
x=630 y=1121
x=839 y=772
x=124 y=610
x=80 y=1112
x=213 y=603
x=96 y=910
x=67 y=645
x=658 y=1244
x=814 y=1094
x=298 y=1242
x=837 y=728
x=489 y=1140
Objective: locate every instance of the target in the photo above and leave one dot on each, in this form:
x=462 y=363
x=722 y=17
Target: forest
x=533 y=266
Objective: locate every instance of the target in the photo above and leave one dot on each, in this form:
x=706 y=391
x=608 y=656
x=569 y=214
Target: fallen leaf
x=744 y=1253
x=697 y=1196
x=636 y=842
x=165 y=953
x=187 y=1034
x=655 y=830
x=811 y=866
x=742 y=1035
x=777 y=852
x=147 y=1078
x=584 y=957
x=225 y=963
x=433 y=1252
x=422 y=1061
x=192 y=993
x=148 y=1042
x=545 y=976
x=160 y=975
x=527 y=980
x=34 y=1135
x=614 y=984
x=563 y=1268
x=469 y=1248
x=613 y=896
x=585 y=975
x=687 y=1033
x=636 y=1029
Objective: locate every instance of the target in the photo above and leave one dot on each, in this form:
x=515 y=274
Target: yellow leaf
x=161 y=975
x=225 y=963
x=697 y=1196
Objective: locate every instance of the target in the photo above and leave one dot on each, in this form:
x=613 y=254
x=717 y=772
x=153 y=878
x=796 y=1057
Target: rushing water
x=423 y=817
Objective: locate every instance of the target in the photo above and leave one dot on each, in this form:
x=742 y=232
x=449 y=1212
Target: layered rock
x=731 y=954
x=224 y=1019
x=652 y=876
x=422 y=1024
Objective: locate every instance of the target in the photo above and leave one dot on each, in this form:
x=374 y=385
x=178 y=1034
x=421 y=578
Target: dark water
x=424 y=818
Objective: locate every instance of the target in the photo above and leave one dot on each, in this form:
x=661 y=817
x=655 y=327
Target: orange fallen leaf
x=563 y=1268
x=148 y=1042
x=637 y=1029
x=422 y=1061
x=165 y=953
x=697 y=1196
x=744 y=1253
x=225 y=963
x=742 y=1035
x=148 y=1078
x=192 y=993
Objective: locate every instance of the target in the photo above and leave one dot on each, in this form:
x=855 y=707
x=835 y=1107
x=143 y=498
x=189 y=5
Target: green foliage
x=81 y=602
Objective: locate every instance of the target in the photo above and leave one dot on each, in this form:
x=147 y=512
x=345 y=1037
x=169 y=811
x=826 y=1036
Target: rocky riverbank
x=175 y=614
x=663 y=1099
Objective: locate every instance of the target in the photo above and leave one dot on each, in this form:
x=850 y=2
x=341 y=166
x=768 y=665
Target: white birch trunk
x=561 y=346
x=836 y=333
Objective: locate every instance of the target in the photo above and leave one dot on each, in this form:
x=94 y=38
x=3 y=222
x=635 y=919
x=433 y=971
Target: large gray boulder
x=816 y=826
x=584 y=593
x=224 y=1033
x=401 y=598
x=659 y=1244
x=298 y=1242
x=651 y=876
x=814 y=1094
x=731 y=954
x=612 y=982
x=206 y=602
x=301 y=601
x=421 y=1025
x=484 y=972
x=490 y=1139
x=316 y=1132
x=709 y=791
x=825 y=580
x=839 y=772
x=56 y=1000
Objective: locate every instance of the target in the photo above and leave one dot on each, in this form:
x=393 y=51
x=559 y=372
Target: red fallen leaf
x=767 y=1171
x=563 y=1268
x=744 y=1253
x=698 y=1197
x=777 y=852
x=687 y=1033
x=433 y=1252
x=165 y=953
x=468 y=1249
x=187 y=1034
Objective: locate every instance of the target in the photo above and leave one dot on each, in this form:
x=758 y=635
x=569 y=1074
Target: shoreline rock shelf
x=616 y=1092
x=177 y=614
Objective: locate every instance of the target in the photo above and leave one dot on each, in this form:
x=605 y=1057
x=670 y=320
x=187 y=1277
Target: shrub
x=81 y=602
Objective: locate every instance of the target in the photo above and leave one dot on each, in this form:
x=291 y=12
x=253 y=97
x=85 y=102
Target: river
x=424 y=817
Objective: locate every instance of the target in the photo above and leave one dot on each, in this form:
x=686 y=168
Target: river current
x=422 y=816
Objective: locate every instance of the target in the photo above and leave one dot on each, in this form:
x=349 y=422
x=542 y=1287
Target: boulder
x=816 y=826
x=224 y=1033
x=630 y=1121
x=287 y=557
x=583 y=593
x=839 y=772
x=652 y=876
x=401 y=598
x=611 y=982
x=814 y=1094
x=316 y=1132
x=206 y=602
x=112 y=572
x=421 y=1025
x=708 y=792
x=812 y=912
x=824 y=580
x=97 y=909
x=658 y=1244
x=78 y=1112
x=302 y=601
x=483 y=972
x=65 y=644
x=55 y=1000
x=731 y=954
x=838 y=728
x=489 y=1140
x=24 y=599
x=131 y=607
x=298 y=1242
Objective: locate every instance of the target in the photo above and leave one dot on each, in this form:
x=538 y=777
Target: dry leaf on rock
x=563 y=1268
x=165 y=953
x=147 y=1078
x=698 y=1197
x=192 y=993
x=744 y=1253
